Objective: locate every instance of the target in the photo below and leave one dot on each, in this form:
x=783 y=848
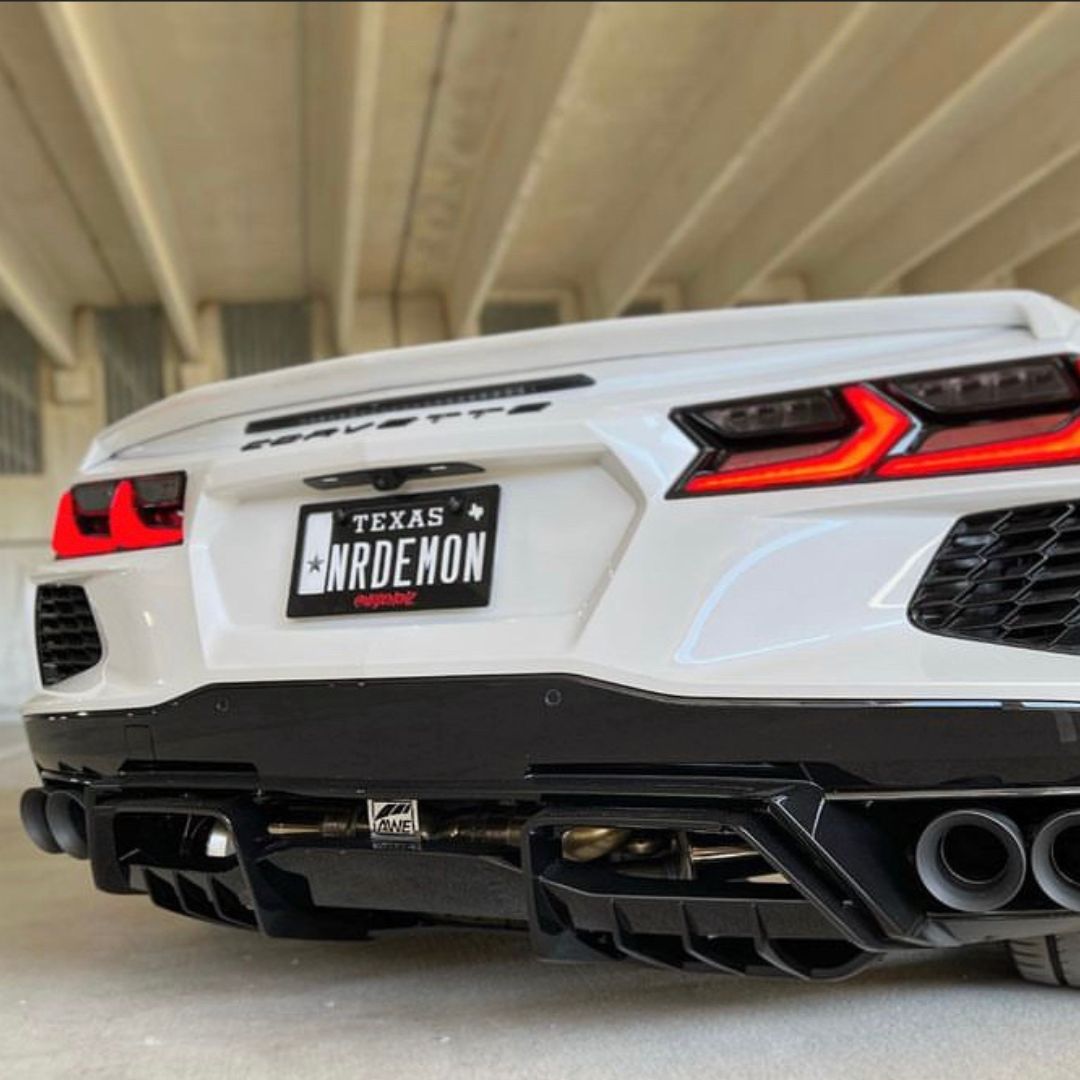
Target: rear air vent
x=67 y=636
x=468 y=396
x=1011 y=577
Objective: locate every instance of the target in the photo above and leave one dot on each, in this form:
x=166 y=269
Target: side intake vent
x=1011 y=577
x=67 y=636
x=438 y=400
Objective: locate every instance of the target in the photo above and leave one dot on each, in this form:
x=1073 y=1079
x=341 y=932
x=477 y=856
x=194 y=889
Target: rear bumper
x=830 y=794
x=522 y=735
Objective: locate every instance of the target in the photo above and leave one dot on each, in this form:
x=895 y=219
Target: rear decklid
x=253 y=401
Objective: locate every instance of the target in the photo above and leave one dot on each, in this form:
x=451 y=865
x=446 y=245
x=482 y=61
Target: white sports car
x=743 y=640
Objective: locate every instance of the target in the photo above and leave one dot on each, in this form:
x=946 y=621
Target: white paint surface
x=16 y=648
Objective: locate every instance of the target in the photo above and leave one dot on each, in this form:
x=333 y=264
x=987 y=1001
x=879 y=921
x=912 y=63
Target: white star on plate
x=476 y=511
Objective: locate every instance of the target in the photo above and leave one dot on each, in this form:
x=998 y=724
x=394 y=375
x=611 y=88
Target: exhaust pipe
x=66 y=819
x=32 y=813
x=586 y=843
x=971 y=860
x=1055 y=859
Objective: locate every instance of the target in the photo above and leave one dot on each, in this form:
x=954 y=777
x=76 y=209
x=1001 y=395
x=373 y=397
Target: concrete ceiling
x=189 y=152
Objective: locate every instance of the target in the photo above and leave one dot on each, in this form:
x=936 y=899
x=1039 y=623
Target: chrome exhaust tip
x=66 y=818
x=971 y=860
x=1055 y=859
x=220 y=843
x=34 y=822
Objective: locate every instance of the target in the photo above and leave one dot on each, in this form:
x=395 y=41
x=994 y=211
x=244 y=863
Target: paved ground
x=98 y=986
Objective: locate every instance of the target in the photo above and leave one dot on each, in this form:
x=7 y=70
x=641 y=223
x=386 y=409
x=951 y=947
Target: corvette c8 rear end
x=741 y=640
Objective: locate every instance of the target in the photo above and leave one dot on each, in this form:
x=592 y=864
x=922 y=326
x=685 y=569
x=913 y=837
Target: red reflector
x=68 y=539
x=128 y=528
x=1052 y=448
x=881 y=425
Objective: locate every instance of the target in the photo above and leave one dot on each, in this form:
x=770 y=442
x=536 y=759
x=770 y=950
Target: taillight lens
x=794 y=415
x=1003 y=416
x=876 y=427
x=979 y=392
x=1029 y=451
x=120 y=515
x=80 y=528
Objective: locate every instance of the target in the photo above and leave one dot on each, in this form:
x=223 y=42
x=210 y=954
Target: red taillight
x=96 y=518
x=128 y=524
x=1022 y=414
x=71 y=532
x=880 y=426
x=1030 y=451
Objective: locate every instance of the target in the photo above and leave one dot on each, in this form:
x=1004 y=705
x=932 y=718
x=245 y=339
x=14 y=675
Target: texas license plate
x=397 y=553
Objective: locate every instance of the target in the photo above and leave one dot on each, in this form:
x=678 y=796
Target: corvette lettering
x=356 y=427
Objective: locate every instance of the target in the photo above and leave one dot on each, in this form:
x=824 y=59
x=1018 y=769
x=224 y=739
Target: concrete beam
x=756 y=120
x=342 y=48
x=1021 y=141
x=26 y=290
x=384 y=321
x=89 y=46
x=1055 y=271
x=900 y=124
x=542 y=70
x=1018 y=232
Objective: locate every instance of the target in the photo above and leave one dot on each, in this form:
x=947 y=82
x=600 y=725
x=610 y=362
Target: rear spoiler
x=558 y=347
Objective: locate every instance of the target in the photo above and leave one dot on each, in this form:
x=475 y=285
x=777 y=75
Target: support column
x=210 y=365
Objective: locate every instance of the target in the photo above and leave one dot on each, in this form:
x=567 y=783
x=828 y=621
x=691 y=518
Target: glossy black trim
x=390 y=479
x=429 y=400
x=526 y=734
x=556 y=750
x=67 y=640
x=986 y=542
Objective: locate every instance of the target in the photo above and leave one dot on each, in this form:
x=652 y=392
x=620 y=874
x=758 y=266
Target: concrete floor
x=99 y=986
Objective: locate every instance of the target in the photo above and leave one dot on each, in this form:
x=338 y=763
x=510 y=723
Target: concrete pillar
x=211 y=364
x=74 y=410
x=322 y=338
x=421 y=319
x=72 y=413
x=373 y=327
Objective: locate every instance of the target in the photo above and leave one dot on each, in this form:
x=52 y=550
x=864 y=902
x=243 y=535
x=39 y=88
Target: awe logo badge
x=398 y=819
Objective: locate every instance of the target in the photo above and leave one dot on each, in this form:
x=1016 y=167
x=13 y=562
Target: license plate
x=398 y=553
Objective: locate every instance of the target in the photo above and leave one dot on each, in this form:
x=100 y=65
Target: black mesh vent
x=67 y=637
x=1008 y=576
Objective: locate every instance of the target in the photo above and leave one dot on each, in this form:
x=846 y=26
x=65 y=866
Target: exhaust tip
x=1055 y=859
x=67 y=822
x=971 y=860
x=220 y=843
x=34 y=822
